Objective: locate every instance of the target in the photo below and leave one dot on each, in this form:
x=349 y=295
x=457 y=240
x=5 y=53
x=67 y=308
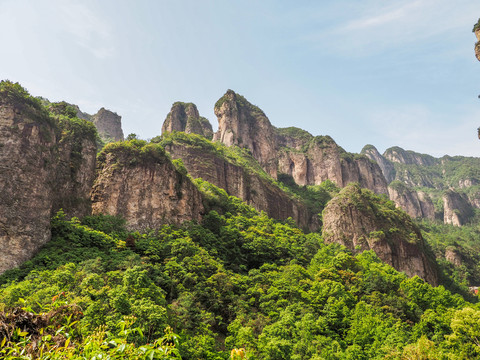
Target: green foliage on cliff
x=240 y=101
x=476 y=26
x=15 y=95
x=132 y=153
x=238 y=280
x=457 y=251
x=295 y=133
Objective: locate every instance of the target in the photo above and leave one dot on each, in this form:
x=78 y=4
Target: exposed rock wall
x=185 y=117
x=108 y=124
x=477 y=44
x=243 y=124
x=361 y=221
x=386 y=166
x=144 y=188
x=399 y=155
x=457 y=210
x=416 y=204
x=41 y=171
x=237 y=181
x=309 y=160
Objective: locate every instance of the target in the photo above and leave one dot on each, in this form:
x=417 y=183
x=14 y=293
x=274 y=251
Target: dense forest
x=237 y=284
x=239 y=280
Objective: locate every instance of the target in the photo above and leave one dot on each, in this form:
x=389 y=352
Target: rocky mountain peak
x=185 y=117
x=108 y=124
x=360 y=220
x=386 y=166
x=245 y=125
x=408 y=157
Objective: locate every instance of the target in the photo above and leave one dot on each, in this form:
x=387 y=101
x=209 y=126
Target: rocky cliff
x=245 y=125
x=239 y=175
x=398 y=155
x=292 y=151
x=457 y=209
x=476 y=30
x=415 y=173
x=138 y=182
x=385 y=165
x=185 y=117
x=47 y=163
x=108 y=124
x=360 y=220
x=417 y=204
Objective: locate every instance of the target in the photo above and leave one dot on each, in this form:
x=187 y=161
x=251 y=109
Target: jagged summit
x=185 y=117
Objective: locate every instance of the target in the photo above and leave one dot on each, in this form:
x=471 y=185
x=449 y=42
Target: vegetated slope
x=237 y=280
x=239 y=174
x=361 y=220
x=47 y=162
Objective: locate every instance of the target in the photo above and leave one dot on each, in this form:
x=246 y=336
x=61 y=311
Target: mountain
x=288 y=248
x=420 y=182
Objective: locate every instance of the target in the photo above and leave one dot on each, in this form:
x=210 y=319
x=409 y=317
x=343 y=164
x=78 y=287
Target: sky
x=387 y=73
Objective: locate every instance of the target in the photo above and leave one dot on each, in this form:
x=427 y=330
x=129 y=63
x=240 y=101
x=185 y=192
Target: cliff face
x=45 y=165
x=202 y=160
x=185 y=117
x=457 y=210
x=385 y=165
x=359 y=220
x=243 y=124
x=417 y=204
x=292 y=151
x=139 y=183
x=399 y=155
x=477 y=44
x=108 y=124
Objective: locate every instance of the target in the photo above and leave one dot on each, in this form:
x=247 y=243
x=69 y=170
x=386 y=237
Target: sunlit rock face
x=44 y=167
x=108 y=124
x=247 y=185
x=457 y=209
x=243 y=124
x=185 y=117
x=309 y=159
x=360 y=221
x=147 y=191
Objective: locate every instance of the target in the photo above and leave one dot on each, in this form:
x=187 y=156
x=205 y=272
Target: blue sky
x=387 y=73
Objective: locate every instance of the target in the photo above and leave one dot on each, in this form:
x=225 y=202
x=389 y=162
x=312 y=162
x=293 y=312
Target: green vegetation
x=14 y=94
x=476 y=26
x=237 y=280
x=295 y=133
x=131 y=153
x=462 y=246
x=241 y=102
